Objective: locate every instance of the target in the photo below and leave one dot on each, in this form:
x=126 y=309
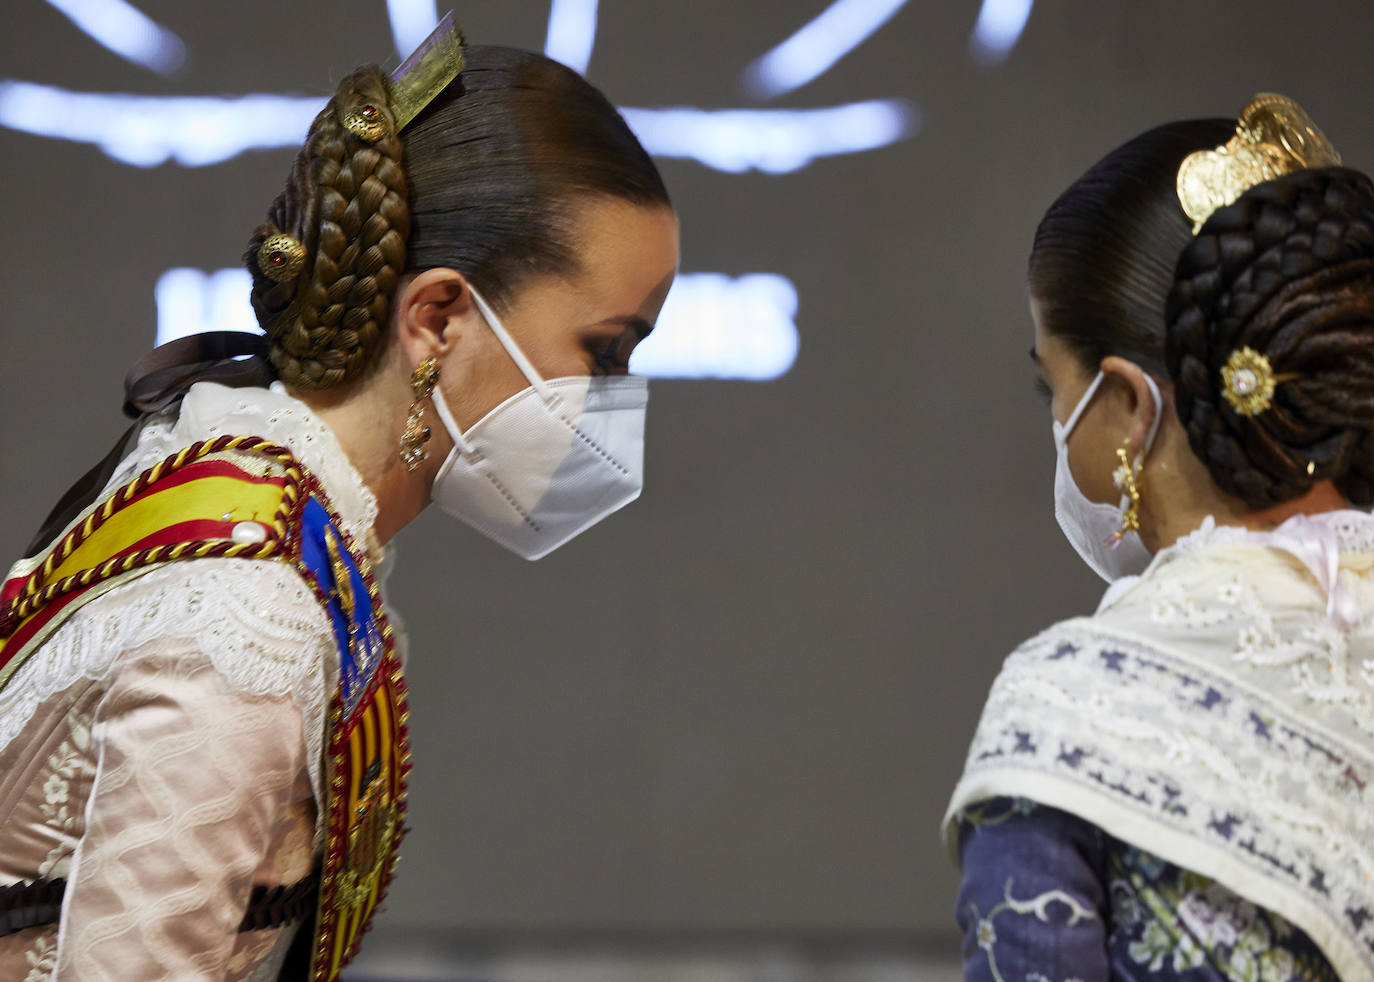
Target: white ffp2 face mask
x=1090 y=526
x=549 y=462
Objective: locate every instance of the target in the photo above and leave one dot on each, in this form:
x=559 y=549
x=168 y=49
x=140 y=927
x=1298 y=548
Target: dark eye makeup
x=612 y=357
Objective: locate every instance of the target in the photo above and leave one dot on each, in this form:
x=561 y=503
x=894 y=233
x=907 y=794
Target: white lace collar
x=210 y=410
x=1353 y=531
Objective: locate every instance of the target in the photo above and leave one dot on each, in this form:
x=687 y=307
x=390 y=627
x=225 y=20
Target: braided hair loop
x=1288 y=271
x=345 y=210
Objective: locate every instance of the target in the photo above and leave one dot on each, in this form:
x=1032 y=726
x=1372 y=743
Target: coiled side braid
x=345 y=202
x=1288 y=270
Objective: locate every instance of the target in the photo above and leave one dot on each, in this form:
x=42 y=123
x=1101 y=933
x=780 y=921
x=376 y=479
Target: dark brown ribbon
x=157 y=381
x=24 y=905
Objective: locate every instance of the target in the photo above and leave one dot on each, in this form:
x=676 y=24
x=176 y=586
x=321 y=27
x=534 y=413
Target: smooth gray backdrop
x=740 y=705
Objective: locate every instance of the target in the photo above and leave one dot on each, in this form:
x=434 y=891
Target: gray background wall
x=738 y=706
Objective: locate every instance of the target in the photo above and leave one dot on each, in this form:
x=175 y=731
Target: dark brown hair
x=1287 y=270
x=1102 y=264
x=482 y=181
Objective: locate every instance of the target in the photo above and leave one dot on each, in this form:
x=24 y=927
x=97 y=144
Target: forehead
x=625 y=251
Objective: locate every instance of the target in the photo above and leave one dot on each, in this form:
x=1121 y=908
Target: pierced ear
x=1134 y=383
x=429 y=311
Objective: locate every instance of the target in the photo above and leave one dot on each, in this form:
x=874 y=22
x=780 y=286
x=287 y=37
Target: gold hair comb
x=1273 y=137
x=428 y=70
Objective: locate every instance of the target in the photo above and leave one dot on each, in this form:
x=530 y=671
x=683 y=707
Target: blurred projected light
x=814 y=50
x=125 y=30
x=718 y=326
x=775 y=141
x=572 y=33
x=999 y=27
x=190 y=301
x=713 y=325
x=196 y=131
x=411 y=22
x=147 y=130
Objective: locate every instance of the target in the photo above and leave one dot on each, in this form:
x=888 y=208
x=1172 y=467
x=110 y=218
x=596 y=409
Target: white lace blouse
x=162 y=751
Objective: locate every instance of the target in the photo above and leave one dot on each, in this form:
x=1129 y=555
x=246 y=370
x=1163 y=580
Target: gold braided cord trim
x=38 y=592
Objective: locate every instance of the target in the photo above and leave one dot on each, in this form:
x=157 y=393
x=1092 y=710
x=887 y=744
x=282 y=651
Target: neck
x=368 y=420
x=1171 y=512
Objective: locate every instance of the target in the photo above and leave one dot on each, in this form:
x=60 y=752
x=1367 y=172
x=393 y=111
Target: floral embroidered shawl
x=1219 y=713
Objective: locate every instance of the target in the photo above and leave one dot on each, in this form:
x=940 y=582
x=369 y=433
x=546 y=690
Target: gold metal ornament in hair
x=427 y=72
x=281 y=258
x=415 y=439
x=1248 y=381
x=1126 y=478
x=1274 y=136
x=367 y=122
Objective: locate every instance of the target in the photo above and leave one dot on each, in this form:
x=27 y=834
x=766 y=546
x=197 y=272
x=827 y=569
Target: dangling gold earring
x=1126 y=478
x=415 y=439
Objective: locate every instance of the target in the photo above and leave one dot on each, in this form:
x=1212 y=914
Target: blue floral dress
x=1049 y=897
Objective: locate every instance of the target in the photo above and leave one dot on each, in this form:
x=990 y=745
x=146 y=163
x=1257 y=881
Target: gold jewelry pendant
x=415 y=439
x=1126 y=479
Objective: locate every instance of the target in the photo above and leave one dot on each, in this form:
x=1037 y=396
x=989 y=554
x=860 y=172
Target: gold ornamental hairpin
x=1248 y=381
x=1274 y=137
x=427 y=72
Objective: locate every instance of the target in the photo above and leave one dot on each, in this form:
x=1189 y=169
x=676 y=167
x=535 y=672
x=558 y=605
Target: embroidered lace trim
x=256 y=620
x=1354 y=532
x=209 y=411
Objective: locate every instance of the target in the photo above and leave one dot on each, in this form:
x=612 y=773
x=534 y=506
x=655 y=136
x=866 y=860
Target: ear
x=1138 y=407
x=430 y=313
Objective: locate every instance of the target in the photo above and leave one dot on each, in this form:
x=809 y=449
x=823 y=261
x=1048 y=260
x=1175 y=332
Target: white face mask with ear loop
x=1089 y=525
x=549 y=462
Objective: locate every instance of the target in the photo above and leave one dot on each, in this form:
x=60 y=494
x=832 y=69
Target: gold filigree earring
x=415 y=439
x=1126 y=477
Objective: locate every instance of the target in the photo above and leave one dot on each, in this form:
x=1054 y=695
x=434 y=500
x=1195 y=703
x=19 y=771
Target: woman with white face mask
x=1181 y=787
x=203 y=748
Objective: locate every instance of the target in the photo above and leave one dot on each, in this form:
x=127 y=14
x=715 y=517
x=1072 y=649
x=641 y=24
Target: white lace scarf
x=1218 y=715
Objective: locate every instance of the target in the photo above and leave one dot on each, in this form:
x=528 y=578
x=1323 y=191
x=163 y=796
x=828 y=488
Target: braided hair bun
x=1288 y=271
x=326 y=262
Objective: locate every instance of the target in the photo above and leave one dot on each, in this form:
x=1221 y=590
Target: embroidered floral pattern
x=1103 y=908
x=42 y=958
x=1041 y=907
x=1170 y=919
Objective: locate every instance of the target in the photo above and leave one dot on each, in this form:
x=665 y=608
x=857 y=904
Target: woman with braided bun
x=1181 y=786
x=203 y=748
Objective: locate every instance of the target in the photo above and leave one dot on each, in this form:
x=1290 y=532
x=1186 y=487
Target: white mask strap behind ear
x=516 y=355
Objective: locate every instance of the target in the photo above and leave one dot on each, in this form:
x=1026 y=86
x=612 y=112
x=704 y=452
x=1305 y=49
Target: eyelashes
x=1042 y=389
x=613 y=356
x=608 y=359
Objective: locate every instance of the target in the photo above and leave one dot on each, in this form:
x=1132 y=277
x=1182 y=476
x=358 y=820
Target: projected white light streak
x=196 y=131
x=572 y=33
x=147 y=130
x=190 y=301
x=718 y=326
x=999 y=27
x=713 y=325
x=814 y=50
x=411 y=22
x=775 y=141
x=126 y=31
